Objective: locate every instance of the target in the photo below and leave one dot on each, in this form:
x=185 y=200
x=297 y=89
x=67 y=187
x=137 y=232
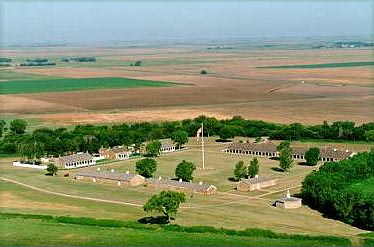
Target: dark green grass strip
x=73 y=84
x=266 y=236
x=320 y=65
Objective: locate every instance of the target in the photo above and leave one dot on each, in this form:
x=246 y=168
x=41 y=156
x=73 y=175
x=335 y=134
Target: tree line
x=337 y=190
x=60 y=141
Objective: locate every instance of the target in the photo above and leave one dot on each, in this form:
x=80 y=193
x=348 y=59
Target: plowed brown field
x=233 y=86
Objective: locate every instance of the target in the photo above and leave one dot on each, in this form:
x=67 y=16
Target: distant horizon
x=91 y=22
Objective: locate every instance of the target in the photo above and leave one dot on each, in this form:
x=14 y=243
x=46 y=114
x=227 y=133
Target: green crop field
x=51 y=231
x=320 y=65
x=72 y=84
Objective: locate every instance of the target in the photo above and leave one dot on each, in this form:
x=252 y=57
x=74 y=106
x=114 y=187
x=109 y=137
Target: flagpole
x=202 y=144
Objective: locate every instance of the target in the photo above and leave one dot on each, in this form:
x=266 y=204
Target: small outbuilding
x=111 y=177
x=288 y=201
x=255 y=183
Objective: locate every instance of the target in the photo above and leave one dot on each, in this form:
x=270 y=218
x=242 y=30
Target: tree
x=369 y=135
x=253 y=167
x=146 y=167
x=227 y=132
x=153 y=148
x=240 y=170
x=180 y=137
x=138 y=63
x=167 y=202
x=283 y=145
x=312 y=156
x=285 y=159
x=2 y=125
x=203 y=72
x=17 y=126
x=52 y=169
x=184 y=170
x=31 y=150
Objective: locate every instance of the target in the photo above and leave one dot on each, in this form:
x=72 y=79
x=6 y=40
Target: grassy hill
x=48 y=230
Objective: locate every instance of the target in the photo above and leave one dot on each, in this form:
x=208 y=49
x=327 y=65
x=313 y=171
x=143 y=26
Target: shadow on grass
x=154 y=220
x=232 y=179
x=223 y=140
x=304 y=164
x=277 y=169
x=274 y=158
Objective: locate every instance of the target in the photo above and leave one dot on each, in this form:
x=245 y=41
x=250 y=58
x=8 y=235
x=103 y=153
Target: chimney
x=180 y=180
x=112 y=170
x=346 y=150
x=127 y=172
x=98 y=169
x=288 y=194
x=159 y=178
x=334 y=149
x=256 y=176
x=200 y=183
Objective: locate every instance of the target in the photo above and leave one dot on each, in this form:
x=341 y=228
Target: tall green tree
x=153 y=148
x=31 y=150
x=369 y=135
x=282 y=145
x=180 y=137
x=167 y=202
x=18 y=126
x=184 y=170
x=240 y=170
x=146 y=167
x=285 y=159
x=312 y=156
x=2 y=125
x=52 y=169
x=253 y=167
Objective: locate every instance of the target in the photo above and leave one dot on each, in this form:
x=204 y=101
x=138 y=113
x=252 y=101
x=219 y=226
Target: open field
x=234 y=84
x=70 y=84
x=115 y=232
x=323 y=65
x=28 y=191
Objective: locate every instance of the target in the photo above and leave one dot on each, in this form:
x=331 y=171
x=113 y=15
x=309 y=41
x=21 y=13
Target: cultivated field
x=27 y=191
x=317 y=85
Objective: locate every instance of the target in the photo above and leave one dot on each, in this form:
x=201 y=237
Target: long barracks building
x=269 y=149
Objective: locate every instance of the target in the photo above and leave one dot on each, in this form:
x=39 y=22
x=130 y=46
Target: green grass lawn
x=321 y=65
x=72 y=84
x=69 y=231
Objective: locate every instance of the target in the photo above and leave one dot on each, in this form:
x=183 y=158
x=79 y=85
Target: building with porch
x=75 y=161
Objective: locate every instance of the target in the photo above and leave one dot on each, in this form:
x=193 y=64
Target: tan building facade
x=255 y=183
x=180 y=186
x=111 y=177
x=75 y=161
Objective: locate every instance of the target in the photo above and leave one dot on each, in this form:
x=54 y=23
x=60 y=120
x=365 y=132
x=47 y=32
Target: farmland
x=70 y=84
x=234 y=84
x=323 y=65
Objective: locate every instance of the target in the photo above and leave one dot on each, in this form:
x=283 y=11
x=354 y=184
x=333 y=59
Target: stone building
x=111 y=177
x=167 y=146
x=288 y=201
x=115 y=153
x=75 y=161
x=181 y=186
x=255 y=183
x=265 y=149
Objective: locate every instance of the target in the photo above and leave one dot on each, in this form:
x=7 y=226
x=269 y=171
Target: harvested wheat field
x=235 y=84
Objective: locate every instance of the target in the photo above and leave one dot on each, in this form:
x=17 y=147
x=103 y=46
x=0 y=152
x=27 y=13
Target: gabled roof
x=176 y=184
x=254 y=147
x=256 y=180
x=329 y=152
x=167 y=143
x=109 y=175
x=76 y=157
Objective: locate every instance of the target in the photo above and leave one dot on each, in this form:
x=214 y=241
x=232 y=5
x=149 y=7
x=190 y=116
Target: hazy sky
x=94 y=21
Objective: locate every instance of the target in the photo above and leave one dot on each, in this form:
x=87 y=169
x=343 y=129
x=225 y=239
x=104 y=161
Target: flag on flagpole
x=198 y=133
